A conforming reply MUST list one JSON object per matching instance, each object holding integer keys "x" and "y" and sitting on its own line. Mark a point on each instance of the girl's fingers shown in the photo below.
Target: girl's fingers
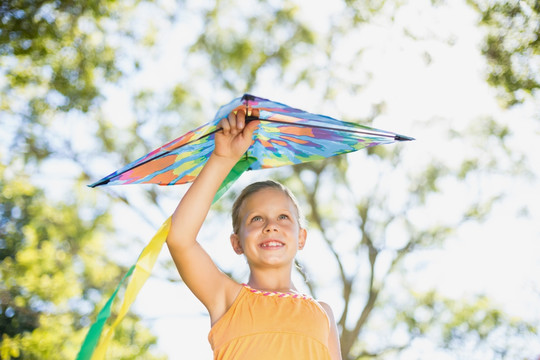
{"x": 255, "y": 112}
{"x": 240, "y": 119}
{"x": 232, "y": 121}
{"x": 235, "y": 121}
{"x": 224, "y": 124}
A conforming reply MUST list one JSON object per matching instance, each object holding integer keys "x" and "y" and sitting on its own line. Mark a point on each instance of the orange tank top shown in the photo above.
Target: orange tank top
{"x": 269, "y": 326}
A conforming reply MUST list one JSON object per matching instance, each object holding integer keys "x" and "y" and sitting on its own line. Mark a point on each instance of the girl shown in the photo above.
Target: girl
{"x": 265, "y": 318}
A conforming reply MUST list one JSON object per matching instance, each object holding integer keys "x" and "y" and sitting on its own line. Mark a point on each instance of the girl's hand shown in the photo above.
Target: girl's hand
{"x": 236, "y": 137}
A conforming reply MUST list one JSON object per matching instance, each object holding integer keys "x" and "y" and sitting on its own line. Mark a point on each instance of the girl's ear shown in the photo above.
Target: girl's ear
{"x": 302, "y": 237}
{"x": 237, "y": 246}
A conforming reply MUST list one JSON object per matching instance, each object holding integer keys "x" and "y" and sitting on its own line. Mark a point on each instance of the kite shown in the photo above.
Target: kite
{"x": 285, "y": 136}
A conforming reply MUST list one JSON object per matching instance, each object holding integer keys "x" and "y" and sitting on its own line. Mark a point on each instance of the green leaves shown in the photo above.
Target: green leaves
{"x": 237, "y": 59}
{"x": 50, "y": 262}
{"x": 464, "y": 324}
{"x": 512, "y": 47}
{"x": 60, "y": 61}
{"x": 59, "y": 45}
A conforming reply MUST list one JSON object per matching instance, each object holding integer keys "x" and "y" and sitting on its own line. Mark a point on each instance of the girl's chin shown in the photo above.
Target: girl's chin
{"x": 273, "y": 260}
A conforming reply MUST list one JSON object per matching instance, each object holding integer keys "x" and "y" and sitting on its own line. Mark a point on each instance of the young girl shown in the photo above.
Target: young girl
{"x": 265, "y": 318}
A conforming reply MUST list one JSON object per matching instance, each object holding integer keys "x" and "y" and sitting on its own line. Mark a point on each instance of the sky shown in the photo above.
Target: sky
{"x": 500, "y": 257}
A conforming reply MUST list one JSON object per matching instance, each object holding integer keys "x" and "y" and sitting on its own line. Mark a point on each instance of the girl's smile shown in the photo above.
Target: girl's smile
{"x": 271, "y": 244}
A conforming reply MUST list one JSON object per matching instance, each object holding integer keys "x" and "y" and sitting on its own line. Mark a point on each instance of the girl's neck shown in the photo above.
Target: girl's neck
{"x": 271, "y": 283}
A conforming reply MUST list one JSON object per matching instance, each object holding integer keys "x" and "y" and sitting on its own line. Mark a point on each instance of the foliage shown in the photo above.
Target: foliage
{"x": 63, "y": 42}
{"x": 512, "y": 46}
{"x": 378, "y": 237}
{"x": 52, "y": 266}
{"x": 469, "y": 327}
{"x": 55, "y": 58}
{"x": 61, "y": 61}
{"x": 236, "y": 59}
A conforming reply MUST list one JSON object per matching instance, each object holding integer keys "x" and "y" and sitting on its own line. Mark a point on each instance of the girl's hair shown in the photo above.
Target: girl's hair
{"x": 258, "y": 186}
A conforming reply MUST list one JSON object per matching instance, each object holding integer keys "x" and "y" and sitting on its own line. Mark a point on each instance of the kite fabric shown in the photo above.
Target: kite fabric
{"x": 285, "y": 136}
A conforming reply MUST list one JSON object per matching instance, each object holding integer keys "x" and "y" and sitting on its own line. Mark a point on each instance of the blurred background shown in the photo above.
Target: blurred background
{"x": 425, "y": 249}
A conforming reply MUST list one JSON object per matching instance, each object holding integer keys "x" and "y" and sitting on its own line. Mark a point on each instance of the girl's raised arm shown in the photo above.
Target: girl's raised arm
{"x": 211, "y": 286}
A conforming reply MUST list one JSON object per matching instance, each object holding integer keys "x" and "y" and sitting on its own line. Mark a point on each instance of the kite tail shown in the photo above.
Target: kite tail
{"x": 92, "y": 337}
{"x": 142, "y": 271}
{"x": 235, "y": 173}
{"x": 139, "y": 273}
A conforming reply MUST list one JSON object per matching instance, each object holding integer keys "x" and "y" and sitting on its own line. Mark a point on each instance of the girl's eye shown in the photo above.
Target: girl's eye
{"x": 283, "y": 217}
{"x": 256, "y": 218}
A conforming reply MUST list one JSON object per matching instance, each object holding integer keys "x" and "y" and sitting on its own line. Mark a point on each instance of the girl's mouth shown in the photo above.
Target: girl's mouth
{"x": 272, "y": 244}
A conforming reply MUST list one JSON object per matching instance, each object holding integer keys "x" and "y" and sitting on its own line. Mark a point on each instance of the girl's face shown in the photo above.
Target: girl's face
{"x": 269, "y": 233}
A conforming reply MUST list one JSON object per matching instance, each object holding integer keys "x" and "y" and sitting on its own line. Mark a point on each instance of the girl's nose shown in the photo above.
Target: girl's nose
{"x": 270, "y": 226}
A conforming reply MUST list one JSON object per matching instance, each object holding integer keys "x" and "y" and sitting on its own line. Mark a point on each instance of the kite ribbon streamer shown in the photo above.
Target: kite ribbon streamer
{"x": 235, "y": 173}
{"x": 94, "y": 333}
{"x": 141, "y": 271}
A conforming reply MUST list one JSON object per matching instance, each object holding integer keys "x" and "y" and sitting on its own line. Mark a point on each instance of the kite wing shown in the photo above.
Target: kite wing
{"x": 285, "y": 136}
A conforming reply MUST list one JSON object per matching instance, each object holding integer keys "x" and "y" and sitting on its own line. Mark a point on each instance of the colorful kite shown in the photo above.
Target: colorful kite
{"x": 285, "y": 136}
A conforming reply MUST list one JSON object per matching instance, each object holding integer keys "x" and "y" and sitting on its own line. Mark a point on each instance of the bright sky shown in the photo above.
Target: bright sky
{"x": 499, "y": 257}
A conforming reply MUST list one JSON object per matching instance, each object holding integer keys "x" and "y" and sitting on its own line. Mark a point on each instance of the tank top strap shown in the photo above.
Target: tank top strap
{"x": 277, "y": 293}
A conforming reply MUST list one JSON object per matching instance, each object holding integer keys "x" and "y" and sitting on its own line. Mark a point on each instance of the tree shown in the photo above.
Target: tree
{"x": 52, "y": 266}
{"x": 371, "y": 258}
{"x": 55, "y": 59}
{"x": 512, "y": 47}
{"x": 272, "y": 49}
{"x": 380, "y": 304}
{"x": 369, "y": 261}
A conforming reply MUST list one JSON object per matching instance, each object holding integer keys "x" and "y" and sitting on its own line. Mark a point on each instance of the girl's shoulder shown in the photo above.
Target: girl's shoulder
{"x": 231, "y": 291}
{"x": 328, "y": 310}
{"x": 333, "y": 340}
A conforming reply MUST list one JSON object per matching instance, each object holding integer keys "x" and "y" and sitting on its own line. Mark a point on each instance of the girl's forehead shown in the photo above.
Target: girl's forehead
{"x": 266, "y": 198}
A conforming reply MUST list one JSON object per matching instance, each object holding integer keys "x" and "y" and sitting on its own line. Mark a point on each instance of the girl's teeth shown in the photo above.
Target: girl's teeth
{"x": 274, "y": 243}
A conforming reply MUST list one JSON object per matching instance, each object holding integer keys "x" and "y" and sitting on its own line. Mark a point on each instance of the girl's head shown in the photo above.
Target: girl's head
{"x": 258, "y": 186}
